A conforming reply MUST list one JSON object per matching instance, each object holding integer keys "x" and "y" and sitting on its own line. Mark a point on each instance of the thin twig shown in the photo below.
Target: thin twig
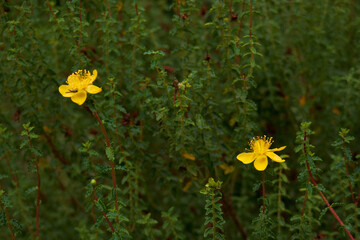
{"x": 228, "y": 205}
{"x": 8, "y": 220}
{"x": 113, "y": 173}
{"x": 322, "y": 195}
{"x": 304, "y": 202}
{"x": 56, "y": 153}
{"x": 104, "y": 214}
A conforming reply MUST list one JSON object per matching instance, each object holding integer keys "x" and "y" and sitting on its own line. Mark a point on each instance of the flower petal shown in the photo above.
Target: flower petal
{"x": 261, "y": 163}
{"x": 274, "y": 157}
{"x": 94, "y": 76}
{"x": 93, "y": 89}
{"x": 188, "y": 156}
{"x": 246, "y": 158}
{"x": 79, "y": 98}
{"x": 277, "y": 149}
{"x": 73, "y": 78}
{"x": 65, "y": 91}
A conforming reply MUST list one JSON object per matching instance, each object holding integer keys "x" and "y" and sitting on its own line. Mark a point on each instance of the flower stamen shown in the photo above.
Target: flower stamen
{"x": 260, "y": 151}
{"x": 79, "y": 84}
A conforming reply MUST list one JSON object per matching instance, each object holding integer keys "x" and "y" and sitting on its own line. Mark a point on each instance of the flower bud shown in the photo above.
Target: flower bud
{"x": 93, "y": 182}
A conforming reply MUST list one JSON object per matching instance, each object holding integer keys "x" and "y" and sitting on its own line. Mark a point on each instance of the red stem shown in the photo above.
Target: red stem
{"x": 113, "y": 174}
{"x": 228, "y": 205}
{"x": 103, "y": 130}
{"x": 177, "y": 9}
{"x": 251, "y": 15}
{"x": 322, "y": 195}
{"x": 52, "y": 12}
{"x": 358, "y": 198}
{"x": 109, "y": 223}
{"x": 241, "y": 18}
{"x": 8, "y": 220}
{"x": 14, "y": 176}
{"x": 137, "y": 13}
{"x": 55, "y": 151}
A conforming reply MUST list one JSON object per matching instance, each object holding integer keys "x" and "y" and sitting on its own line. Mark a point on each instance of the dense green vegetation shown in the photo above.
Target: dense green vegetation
{"x": 185, "y": 85}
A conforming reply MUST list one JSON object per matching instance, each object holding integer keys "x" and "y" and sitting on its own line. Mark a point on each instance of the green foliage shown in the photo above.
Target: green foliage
{"x": 214, "y": 220}
{"x": 263, "y": 225}
{"x": 148, "y": 229}
{"x": 185, "y": 85}
{"x": 172, "y": 225}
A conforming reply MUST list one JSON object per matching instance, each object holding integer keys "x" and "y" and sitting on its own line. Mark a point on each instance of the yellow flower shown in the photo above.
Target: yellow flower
{"x": 302, "y": 100}
{"x": 336, "y": 111}
{"x": 260, "y": 151}
{"x": 188, "y": 156}
{"x": 227, "y": 169}
{"x": 187, "y": 186}
{"x": 79, "y": 84}
{"x": 182, "y": 2}
{"x": 119, "y": 6}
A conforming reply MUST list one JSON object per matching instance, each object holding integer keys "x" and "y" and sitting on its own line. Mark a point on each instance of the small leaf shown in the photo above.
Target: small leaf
{"x": 101, "y": 205}
{"x": 110, "y": 154}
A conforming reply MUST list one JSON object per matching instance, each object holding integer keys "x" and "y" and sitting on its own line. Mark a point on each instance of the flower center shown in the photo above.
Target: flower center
{"x": 79, "y": 80}
{"x": 260, "y": 145}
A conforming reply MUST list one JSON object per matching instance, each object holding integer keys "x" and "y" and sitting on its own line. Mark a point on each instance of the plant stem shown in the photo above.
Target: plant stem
{"x": 113, "y": 174}
{"x": 263, "y": 190}
{"x": 304, "y": 202}
{"x": 53, "y": 149}
{"x": 104, "y": 214}
{"x": 213, "y": 217}
{"x": 228, "y": 205}
{"x": 8, "y": 221}
{"x": 55, "y": 19}
{"x": 322, "y": 195}
{"x": 358, "y": 197}
{"x": 13, "y": 175}
{"x": 241, "y": 18}
{"x": 3, "y": 208}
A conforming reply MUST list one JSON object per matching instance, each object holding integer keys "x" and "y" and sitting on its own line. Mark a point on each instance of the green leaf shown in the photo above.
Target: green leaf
{"x": 33, "y": 135}
{"x": 110, "y": 154}
{"x": 101, "y": 205}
